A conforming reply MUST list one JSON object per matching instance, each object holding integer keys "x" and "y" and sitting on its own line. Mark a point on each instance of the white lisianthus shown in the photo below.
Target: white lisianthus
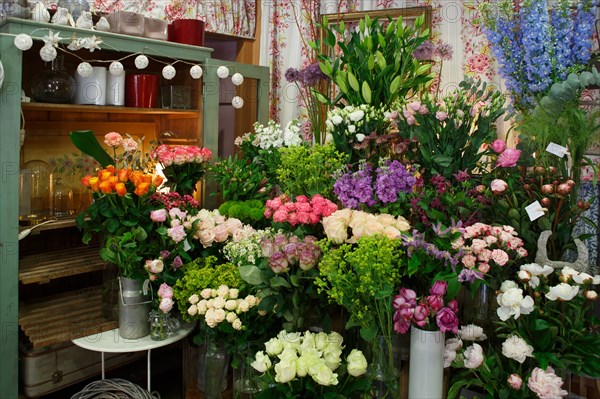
{"x": 285, "y": 371}
{"x": 516, "y": 348}
{"x": 261, "y": 362}
{"x": 273, "y": 347}
{"x": 357, "y": 363}
{"x": 337, "y": 120}
{"x": 472, "y": 332}
{"x": 356, "y": 115}
{"x": 360, "y": 137}
{"x": 512, "y": 303}
{"x": 563, "y": 292}
{"x": 352, "y": 129}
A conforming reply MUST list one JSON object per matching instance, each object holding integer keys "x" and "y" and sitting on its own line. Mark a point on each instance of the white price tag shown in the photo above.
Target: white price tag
{"x": 534, "y": 210}
{"x": 186, "y": 245}
{"x": 557, "y": 150}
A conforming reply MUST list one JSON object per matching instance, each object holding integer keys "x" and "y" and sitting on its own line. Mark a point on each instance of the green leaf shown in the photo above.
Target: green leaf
{"x": 88, "y": 144}
{"x": 395, "y": 85}
{"x": 544, "y": 223}
{"x": 368, "y": 333}
{"x": 326, "y": 67}
{"x": 279, "y": 281}
{"x": 353, "y": 82}
{"x": 250, "y": 274}
{"x": 366, "y": 92}
{"x": 320, "y": 97}
{"x": 340, "y": 80}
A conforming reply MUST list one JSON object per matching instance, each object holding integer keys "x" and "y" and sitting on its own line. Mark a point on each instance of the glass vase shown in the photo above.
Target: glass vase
{"x": 54, "y": 84}
{"x": 385, "y": 366}
{"x": 159, "y": 325}
{"x": 213, "y": 367}
{"x": 245, "y": 377}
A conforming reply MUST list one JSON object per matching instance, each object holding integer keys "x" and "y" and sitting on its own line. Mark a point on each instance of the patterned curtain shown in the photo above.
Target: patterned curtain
{"x": 456, "y": 23}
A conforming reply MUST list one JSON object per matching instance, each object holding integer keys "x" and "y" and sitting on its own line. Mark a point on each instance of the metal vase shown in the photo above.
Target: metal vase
{"x": 134, "y": 307}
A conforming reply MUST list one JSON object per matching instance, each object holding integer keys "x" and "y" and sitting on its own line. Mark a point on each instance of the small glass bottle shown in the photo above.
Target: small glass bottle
{"x": 62, "y": 203}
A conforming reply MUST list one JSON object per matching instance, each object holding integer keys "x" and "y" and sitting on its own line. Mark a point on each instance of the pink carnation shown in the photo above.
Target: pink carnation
{"x": 129, "y": 144}
{"x": 166, "y": 304}
{"x": 113, "y": 139}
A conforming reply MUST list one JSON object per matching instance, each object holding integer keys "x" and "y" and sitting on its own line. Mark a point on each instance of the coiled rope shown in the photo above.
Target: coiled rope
{"x": 114, "y": 389}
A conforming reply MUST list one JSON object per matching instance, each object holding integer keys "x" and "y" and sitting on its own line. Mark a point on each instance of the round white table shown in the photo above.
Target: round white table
{"x": 112, "y": 342}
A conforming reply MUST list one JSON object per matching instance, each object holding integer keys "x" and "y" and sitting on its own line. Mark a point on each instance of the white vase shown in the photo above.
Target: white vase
{"x": 426, "y": 372}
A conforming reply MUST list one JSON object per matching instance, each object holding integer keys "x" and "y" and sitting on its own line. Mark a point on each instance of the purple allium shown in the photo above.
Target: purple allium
{"x": 292, "y": 75}
{"x": 425, "y": 51}
{"x": 311, "y": 75}
{"x": 444, "y": 51}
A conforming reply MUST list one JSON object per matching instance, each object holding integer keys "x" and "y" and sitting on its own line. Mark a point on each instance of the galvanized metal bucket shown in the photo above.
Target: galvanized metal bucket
{"x": 135, "y": 300}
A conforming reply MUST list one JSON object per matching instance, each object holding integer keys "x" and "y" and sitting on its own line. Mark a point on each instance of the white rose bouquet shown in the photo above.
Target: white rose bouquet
{"x": 310, "y": 365}
{"x": 545, "y": 326}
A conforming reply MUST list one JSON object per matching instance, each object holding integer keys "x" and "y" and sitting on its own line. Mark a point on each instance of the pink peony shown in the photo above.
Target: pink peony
{"x": 221, "y": 233}
{"x": 401, "y": 326}
{"x": 473, "y": 356}
{"x": 546, "y": 384}
{"x": 166, "y": 304}
{"x": 303, "y": 217}
{"x": 446, "y": 320}
{"x": 508, "y": 158}
{"x": 500, "y": 257}
{"x": 406, "y": 297}
{"x": 159, "y": 215}
{"x": 439, "y": 288}
{"x": 314, "y": 218}
{"x": 164, "y": 291}
{"x": 515, "y": 381}
{"x": 302, "y": 199}
{"x": 289, "y": 206}
{"x": 498, "y": 186}
{"x": 498, "y": 146}
{"x": 113, "y": 139}
{"x": 177, "y": 233}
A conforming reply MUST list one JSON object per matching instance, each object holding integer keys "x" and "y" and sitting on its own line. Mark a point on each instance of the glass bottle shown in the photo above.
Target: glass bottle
{"x": 54, "y": 84}
{"x": 35, "y": 190}
{"x": 62, "y": 203}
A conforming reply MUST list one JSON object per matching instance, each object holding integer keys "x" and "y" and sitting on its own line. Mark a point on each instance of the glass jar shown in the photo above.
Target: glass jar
{"x": 162, "y": 326}
{"x": 54, "y": 84}
{"x": 62, "y": 198}
{"x": 35, "y": 197}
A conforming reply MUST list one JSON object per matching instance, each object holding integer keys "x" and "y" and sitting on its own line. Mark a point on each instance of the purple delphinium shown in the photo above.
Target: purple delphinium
{"x": 535, "y": 25}
{"x": 562, "y": 23}
{"x": 393, "y": 178}
{"x": 355, "y": 189}
{"x": 584, "y": 25}
{"x": 425, "y": 51}
{"x": 292, "y": 75}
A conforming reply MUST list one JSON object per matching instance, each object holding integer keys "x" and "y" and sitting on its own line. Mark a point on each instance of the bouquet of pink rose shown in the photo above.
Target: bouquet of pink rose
{"x": 183, "y": 166}
{"x": 489, "y": 253}
{"x": 410, "y": 309}
{"x": 304, "y": 211}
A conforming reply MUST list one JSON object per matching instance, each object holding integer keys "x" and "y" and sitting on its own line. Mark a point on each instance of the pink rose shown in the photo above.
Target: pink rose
{"x": 435, "y": 302}
{"x": 508, "y": 158}
{"x": 280, "y": 216}
{"x": 166, "y": 304}
{"x": 207, "y": 237}
{"x": 446, "y": 320}
{"x": 453, "y": 305}
{"x": 314, "y": 218}
{"x": 500, "y": 257}
{"x": 498, "y": 186}
{"x": 420, "y": 315}
{"x": 289, "y": 206}
{"x": 278, "y": 263}
{"x": 469, "y": 260}
{"x": 546, "y": 384}
{"x": 221, "y": 233}
{"x": 164, "y": 291}
{"x": 177, "y": 233}
{"x": 439, "y": 288}
{"x": 405, "y": 298}
{"x": 303, "y": 207}
{"x": 292, "y": 218}
{"x": 401, "y": 326}
{"x": 441, "y": 116}
{"x": 483, "y": 268}
{"x": 113, "y": 139}
{"x": 154, "y": 266}
{"x": 498, "y": 146}
{"x": 484, "y": 256}
{"x": 515, "y": 381}
{"x": 159, "y": 215}
{"x": 303, "y": 217}
{"x": 478, "y": 245}
{"x": 302, "y": 199}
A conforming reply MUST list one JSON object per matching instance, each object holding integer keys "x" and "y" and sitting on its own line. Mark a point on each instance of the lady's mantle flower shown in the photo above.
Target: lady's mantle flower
{"x": 512, "y": 303}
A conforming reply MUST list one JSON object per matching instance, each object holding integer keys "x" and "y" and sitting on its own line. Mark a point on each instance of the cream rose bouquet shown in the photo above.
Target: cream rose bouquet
{"x": 310, "y": 365}
{"x": 348, "y": 225}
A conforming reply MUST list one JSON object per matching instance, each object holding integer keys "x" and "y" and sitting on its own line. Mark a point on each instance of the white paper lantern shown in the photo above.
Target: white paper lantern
{"x": 23, "y": 41}
{"x": 237, "y": 79}
{"x": 141, "y": 61}
{"x": 1, "y": 74}
{"x": 48, "y": 53}
{"x": 116, "y": 68}
{"x": 85, "y": 69}
{"x": 196, "y": 71}
{"x": 222, "y": 72}
{"x": 237, "y": 102}
{"x": 169, "y": 72}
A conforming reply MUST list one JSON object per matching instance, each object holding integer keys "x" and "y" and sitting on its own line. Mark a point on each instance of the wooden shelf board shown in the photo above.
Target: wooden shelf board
{"x": 42, "y": 268}
{"x": 107, "y": 109}
{"x": 58, "y": 224}
{"x": 61, "y": 318}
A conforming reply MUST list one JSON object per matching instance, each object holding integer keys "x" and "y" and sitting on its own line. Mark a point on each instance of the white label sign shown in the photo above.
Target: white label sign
{"x": 557, "y": 150}
{"x": 534, "y": 210}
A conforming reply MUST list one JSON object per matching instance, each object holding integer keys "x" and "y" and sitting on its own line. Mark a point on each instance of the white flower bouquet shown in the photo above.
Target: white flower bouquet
{"x": 309, "y": 365}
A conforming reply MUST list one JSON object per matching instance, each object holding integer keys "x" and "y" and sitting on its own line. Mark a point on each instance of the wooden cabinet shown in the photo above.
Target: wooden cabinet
{"x": 49, "y": 282}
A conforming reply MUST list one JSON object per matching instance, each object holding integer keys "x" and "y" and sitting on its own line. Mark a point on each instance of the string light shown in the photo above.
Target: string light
{"x": 196, "y": 71}
{"x": 223, "y": 72}
{"x": 237, "y": 79}
{"x": 23, "y": 42}
{"x": 169, "y": 72}
{"x": 237, "y": 102}
{"x": 85, "y": 69}
{"x": 48, "y": 53}
{"x": 141, "y": 61}
{"x": 116, "y": 68}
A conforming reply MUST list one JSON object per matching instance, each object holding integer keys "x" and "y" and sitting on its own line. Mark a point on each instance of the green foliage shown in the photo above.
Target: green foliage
{"x": 309, "y": 170}
{"x": 85, "y": 141}
{"x": 376, "y": 64}
{"x": 123, "y": 250}
{"x": 249, "y": 212}
{"x": 240, "y": 179}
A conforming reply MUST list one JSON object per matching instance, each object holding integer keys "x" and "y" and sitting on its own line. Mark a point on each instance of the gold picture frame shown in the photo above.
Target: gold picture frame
{"x": 407, "y": 14}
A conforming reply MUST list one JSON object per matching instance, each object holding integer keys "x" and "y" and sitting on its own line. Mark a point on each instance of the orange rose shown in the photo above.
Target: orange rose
{"x": 142, "y": 188}
{"x": 120, "y": 189}
{"x": 85, "y": 180}
{"x": 106, "y": 187}
{"x": 124, "y": 175}
{"x": 157, "y": 180}
{"x": 112, "y": 169}
{"x": 135, "y": 177}
{"x": 94, "y": 183}
{"x": 147, "y": 179}
{"x": 105, "y": 175}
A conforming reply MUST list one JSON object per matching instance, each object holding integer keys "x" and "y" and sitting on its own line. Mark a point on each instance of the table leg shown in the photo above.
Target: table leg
{"x": 102, "y": 357}
{"x": 149, "y": 372}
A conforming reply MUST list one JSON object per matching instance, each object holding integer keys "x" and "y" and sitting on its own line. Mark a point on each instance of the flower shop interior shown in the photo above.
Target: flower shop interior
{"x": 299, "y": 199}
